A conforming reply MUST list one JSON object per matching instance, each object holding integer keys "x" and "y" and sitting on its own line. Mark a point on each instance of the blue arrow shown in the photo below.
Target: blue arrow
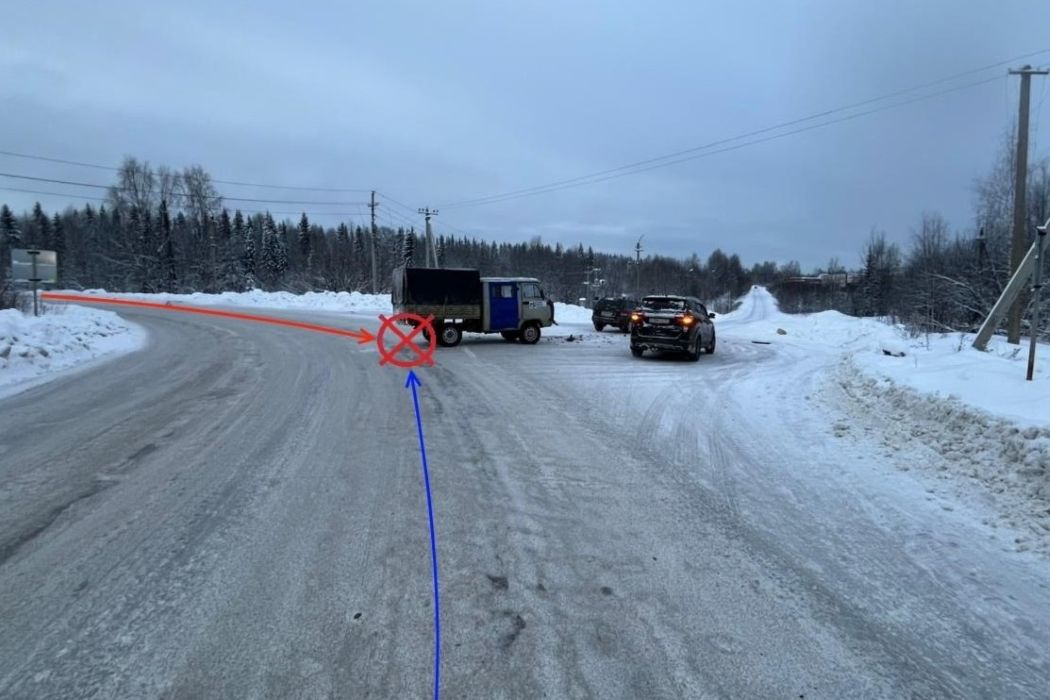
{"x": 413, "y": 382}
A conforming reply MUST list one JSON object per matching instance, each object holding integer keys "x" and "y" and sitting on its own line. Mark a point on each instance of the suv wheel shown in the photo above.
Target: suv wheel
{"x": 636, "y": 351}
{"x": 530, "y": 334}
{"x": 711, "y": 348}
{"x": 599, "y": 326}
{"x": 694, "y": 354}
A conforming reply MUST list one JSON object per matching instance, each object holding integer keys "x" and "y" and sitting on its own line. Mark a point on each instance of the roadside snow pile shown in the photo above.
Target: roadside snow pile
{"x": 943, "y": 365}
{"x": 1010, "y": 460}
{"x": 571, "y": 314}
{"x": 342, "y": 302}
{"x": 337, "y": 302}
{"x": 993, "y": 381}
{"x": 34, "y": 348}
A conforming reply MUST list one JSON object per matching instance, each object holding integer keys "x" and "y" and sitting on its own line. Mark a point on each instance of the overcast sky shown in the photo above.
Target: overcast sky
{"x": 439, "y": 102}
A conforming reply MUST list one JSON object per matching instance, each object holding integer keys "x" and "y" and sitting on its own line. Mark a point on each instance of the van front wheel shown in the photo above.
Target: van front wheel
{"x": 530, "y": 334}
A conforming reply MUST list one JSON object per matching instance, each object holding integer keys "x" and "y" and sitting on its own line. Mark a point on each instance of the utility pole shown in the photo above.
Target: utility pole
{"x": 372, "y": 241}
{"x": 1019, "y": 241}
{"x": 1037, "y": 285}
{"x": 638, "y": 267}
{"x": 431, "y": 250}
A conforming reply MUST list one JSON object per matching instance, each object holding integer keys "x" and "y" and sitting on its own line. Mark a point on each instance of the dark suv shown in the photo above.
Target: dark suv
{"x": 672, "y": 323}
{"x": 613, "y": 311}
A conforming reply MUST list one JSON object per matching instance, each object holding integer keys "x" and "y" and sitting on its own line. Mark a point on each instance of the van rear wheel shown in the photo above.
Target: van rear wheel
{"x": 530, "y": 334}
{"x": 449, "y": 335}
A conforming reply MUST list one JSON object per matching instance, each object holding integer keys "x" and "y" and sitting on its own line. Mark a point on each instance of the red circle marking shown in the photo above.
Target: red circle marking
{"x": 404, "y": 341}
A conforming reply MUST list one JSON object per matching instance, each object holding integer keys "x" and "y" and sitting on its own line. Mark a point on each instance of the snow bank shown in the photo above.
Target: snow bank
{"x": 943, "y": 365}
{"x": 571, "y": 314}
{"x": 943, "y": 408}
{"x": 1010, "y": 460}
{"x": 344, "y": 302}
{"x": 993, "y": 381}
{"x": 34, "y": 349}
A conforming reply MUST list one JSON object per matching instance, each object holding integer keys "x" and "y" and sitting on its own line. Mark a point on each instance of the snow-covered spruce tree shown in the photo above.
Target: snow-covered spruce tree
{"x": 305, "y": 252}
{"x": 228, "y": 243}
{"x": 248, "y": 255}
{"x": 58, "y": 244}
{"x": 270, "y": 253}
{"x": 408, "y": 249}
{"x": 399, "y": 246}
{"x": 9, "y": 233}
{"x": 41, "y": 235}
{"x": 171, "y": 274}
{"x": 282, "y": 252}
{"x": 361, "y": 269}
{"x": 10, "y": 237}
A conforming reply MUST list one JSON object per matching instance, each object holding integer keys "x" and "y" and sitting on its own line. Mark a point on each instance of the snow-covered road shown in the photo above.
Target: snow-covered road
{"x": 238, "y": 512}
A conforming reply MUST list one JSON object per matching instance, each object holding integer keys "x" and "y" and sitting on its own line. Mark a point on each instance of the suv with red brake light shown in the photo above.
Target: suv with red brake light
{"x": 672, "y": 324}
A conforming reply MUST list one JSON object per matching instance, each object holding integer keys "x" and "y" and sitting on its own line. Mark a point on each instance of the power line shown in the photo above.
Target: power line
{"x": 663, "y": 162}
{"x": 53, "y": 194}
{"x": 410, "y": 210}
{"x": 391, "y": 214}
{"x": 177, "y": 194}
{"x": 238, "y": 183}
{"x": 357, "y": 214}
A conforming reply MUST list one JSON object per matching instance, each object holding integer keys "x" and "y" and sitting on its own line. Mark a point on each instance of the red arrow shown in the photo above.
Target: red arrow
{"x": 361, "y": 336}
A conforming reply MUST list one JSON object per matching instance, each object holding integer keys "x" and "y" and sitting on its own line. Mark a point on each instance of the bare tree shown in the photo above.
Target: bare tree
{"x": 136, "y": 187}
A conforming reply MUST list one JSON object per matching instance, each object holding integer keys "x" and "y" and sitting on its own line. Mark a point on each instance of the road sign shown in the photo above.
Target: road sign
{"x": 34, "y": 266}
{"x": 30, "y": 265}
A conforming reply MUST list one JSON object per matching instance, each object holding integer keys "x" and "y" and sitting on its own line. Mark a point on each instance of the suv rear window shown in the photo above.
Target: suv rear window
{"x": 614, "y": 304}
{"x": 664, "y": 303}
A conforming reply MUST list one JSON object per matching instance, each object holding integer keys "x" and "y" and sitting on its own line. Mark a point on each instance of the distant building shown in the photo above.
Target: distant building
{"x": 833, "y": 280}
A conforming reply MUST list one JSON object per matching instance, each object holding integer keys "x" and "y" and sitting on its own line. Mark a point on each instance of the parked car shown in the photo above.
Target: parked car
{"x": 613, "y": 311}
{"x": 672, "y": 324}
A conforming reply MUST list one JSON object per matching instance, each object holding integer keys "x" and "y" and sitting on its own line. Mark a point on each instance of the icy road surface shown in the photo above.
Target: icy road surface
{"x": 237, "y": 511}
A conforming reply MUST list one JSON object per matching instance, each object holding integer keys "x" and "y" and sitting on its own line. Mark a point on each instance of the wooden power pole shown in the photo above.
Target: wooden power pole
{"x": 431, "y": 252}
{"x": 372, "y": 241}
{"x": 638, "y": 267}
{"x": 1019, "y": 242}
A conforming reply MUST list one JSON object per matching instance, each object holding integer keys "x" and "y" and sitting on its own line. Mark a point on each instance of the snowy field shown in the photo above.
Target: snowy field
{"x": 36, "y": 349}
